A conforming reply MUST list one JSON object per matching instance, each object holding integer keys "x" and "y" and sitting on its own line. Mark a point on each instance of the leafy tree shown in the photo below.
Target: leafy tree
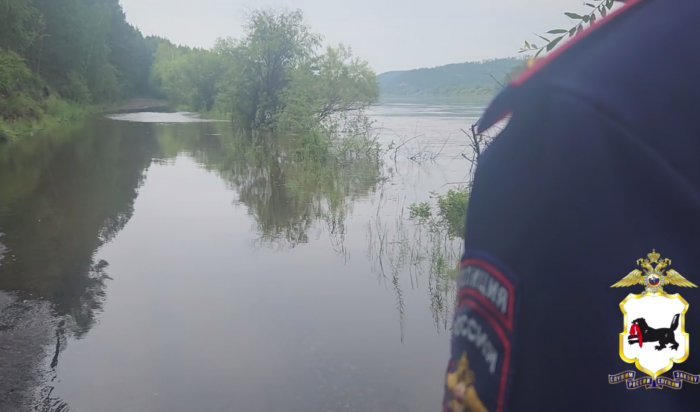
{"x": 263, "y": 62}
{"x": 15, "y": 78}
{"x": 187, "y": 77}
{"x": 130, "y": 55}
{"x": 328, "y": 88}
{"x": 20, "y": 24}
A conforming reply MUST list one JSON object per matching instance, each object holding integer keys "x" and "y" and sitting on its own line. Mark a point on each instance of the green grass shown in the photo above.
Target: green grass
{"x": 50, "y": 113}
{"x": 54, "y": 112}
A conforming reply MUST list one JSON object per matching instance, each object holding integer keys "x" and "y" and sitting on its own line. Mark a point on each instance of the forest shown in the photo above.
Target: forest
{"x": 60, "y": 59}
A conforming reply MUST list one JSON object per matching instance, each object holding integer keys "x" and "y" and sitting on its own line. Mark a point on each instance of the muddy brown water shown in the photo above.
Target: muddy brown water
{"x": 163, "y": 265}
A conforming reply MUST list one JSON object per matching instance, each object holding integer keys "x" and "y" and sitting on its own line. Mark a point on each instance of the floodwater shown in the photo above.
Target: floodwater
{"x": 185, "y": 269}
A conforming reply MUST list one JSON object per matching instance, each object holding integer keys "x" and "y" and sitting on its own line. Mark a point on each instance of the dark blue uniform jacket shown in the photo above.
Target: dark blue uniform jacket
{"x": 598, "y": 165}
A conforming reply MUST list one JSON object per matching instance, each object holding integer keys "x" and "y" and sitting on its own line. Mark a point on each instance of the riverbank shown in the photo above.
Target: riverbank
{"x": 59, "y": 111}
{"x": 29, "y": 337}
{"x": 55, "y": 111}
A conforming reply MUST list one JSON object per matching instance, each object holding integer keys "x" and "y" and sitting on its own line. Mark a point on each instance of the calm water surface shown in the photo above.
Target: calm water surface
{"x": 188, "y": 273}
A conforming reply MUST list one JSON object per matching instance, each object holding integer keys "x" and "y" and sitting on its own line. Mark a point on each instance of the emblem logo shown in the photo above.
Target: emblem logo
{"x": 461, "y": 383}
{"x": 654, "y": 336}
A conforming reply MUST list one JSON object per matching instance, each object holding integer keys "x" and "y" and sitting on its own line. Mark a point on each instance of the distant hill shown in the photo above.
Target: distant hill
{"x": 456, "y": 79}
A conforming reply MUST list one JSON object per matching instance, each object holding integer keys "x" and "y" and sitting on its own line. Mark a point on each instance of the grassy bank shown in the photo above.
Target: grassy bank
{"x": 51, "y": 113}
{"x": 28, "y": 103}
{"x": 55, "y": 112}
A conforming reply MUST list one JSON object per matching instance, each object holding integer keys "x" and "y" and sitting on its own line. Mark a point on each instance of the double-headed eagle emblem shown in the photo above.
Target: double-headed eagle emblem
{"x": 654, "y": 278}
{"x": 461, "y": 383}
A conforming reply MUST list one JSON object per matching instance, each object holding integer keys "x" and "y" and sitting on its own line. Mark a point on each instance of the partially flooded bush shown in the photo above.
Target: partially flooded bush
{"x": 420, "y": 211}
{"x": 452, "y": 210}
{"x": 314, "y": 148}
{"x": 447, "y": 215}
{"x": 425, "y": 250}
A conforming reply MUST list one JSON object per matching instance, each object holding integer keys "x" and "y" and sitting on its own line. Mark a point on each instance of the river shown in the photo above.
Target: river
{"x": 151, "y": 263}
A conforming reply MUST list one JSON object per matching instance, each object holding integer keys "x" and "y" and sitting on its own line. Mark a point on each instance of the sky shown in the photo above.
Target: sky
{"x": 389, "y": 34}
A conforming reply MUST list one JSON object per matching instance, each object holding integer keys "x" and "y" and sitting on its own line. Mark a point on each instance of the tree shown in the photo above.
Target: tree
{"x": 263, "y": 62}
{"x": 130, "y": 55}
{"x": 333, "y": 88}
{"x": 20, "y": 24}
{"x": 187, "y": 77}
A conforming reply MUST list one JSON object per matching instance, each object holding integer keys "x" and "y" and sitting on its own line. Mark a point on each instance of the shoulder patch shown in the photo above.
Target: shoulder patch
{"x": 481, "y": 363}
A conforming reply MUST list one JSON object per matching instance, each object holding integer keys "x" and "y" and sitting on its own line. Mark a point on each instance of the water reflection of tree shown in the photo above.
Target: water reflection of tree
{"x": 61, "y": 198}
{"x": 401, "y": 249}
{"x": 287, "y": 195}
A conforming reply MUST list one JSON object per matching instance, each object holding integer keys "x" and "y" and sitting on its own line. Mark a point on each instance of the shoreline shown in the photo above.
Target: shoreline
{"x": 139, "y": 105}
{"x": 69, "y": 112}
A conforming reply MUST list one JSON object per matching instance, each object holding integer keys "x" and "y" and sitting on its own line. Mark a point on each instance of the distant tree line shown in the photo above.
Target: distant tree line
{"x": 470, "y": 78}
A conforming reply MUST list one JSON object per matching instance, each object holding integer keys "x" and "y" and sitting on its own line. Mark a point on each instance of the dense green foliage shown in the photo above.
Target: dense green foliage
{"x": 80, "y": 51}
{"x": 276, "y": 77}
{"x": 186, "y": 77}
{"x": 453, "y": 79}
{"x": 448, "y": 214}
{"x": 59, "y": 56}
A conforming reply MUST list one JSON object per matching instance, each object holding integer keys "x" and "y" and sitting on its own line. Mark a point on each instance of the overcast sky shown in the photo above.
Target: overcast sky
{"x": 390, "y": 34}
